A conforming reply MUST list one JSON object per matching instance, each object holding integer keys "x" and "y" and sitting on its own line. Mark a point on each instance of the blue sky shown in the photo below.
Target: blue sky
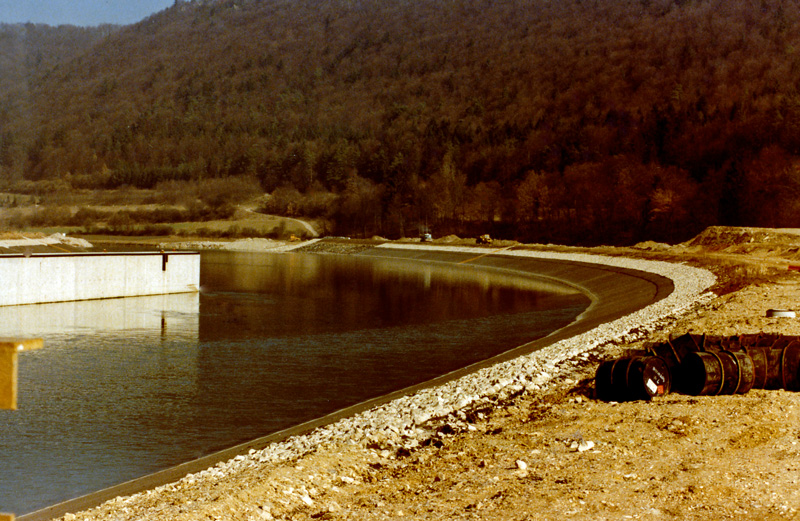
{"x": 79, "y": 12}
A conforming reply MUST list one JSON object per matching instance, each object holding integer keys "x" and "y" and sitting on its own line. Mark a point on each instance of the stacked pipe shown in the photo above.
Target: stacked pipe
{"x": 703, "y": 365}
{"x": 632, "y": 378}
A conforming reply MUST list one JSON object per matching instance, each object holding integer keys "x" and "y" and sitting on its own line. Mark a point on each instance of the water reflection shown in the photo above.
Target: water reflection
{"x": 125, "y": 387}
{"x": 290, "y": 295}
{"x": 159, "y": 314}
{"x": 112, "y": 376}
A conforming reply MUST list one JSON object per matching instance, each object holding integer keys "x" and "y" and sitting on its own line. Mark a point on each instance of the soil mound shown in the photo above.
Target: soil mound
{"x": 721, "y": 237}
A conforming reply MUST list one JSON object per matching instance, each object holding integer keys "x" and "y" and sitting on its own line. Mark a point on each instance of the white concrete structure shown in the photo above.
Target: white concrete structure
{"x": 42, "y": 278}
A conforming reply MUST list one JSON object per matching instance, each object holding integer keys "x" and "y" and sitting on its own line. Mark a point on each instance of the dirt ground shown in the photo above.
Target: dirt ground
{"x": 564, "y": 454}
{"x": 676, "y": 457}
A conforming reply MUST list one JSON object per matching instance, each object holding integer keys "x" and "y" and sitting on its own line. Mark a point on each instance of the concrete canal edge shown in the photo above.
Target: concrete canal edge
{"x": 615, "y": 290}
{"x": 41, "y": 278}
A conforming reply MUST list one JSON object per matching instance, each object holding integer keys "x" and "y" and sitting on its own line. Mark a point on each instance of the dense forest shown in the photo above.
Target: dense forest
{"x": 574, "y": 121}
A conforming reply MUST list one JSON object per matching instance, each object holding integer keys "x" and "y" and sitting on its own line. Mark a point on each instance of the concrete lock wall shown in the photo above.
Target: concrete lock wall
{"x": 43, "y": 278}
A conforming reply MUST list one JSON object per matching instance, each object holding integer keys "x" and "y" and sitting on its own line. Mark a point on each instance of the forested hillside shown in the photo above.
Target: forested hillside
{"x": 27, "y": 55}
{"x": 565, "y": 120}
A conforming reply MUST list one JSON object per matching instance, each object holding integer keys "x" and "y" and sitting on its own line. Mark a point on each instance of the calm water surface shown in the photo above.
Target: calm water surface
{"x": 126, "y": 387}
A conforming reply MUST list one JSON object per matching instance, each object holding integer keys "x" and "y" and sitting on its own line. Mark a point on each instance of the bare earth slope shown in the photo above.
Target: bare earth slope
{"x": 558, "y": 453}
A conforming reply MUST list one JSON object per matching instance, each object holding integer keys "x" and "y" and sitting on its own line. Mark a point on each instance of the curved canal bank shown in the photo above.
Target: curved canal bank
{"x": 626, "y": 295}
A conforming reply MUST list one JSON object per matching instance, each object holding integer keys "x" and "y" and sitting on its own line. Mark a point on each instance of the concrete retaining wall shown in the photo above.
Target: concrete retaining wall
{"x": 42, "y": 278}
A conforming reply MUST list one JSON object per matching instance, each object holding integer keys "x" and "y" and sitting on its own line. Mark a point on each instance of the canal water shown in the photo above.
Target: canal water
{"x": 127, "y": 387}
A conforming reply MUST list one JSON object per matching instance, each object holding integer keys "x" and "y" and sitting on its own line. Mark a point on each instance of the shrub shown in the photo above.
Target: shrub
{"x": 227, "y": 192}
{"x": 50, "y": 216}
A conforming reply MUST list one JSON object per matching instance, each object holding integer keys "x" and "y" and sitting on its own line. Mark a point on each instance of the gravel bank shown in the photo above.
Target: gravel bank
{"x": 55, "y": 243}
{"x": 243, "y": 245}
{"x": 405, "y": 424}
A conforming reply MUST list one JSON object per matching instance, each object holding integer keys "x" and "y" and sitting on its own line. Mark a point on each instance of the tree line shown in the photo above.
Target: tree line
{"x": 572, "y": 121}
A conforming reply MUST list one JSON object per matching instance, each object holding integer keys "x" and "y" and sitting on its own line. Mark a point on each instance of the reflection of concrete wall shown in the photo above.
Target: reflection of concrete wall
{"x": 67, "y": 277}
{"x": 176, "y": 315}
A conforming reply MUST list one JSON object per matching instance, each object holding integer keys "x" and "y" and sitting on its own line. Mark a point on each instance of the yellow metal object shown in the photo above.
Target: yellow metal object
{"x": 9, "y": 349}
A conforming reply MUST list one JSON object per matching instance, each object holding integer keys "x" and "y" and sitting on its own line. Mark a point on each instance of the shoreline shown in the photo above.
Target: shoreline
{"x": 405, "y": 424}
